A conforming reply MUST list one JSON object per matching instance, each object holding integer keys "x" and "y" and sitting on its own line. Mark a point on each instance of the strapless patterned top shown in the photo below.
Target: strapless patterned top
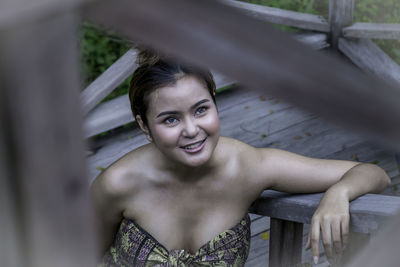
{"x": 134, "y": 246}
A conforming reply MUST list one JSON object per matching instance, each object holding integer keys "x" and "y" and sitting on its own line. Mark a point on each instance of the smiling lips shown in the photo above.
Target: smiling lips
{"x": 194, "y": 147}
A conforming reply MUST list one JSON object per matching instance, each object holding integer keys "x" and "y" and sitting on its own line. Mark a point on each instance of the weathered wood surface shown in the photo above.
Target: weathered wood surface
{"x": 44, "y": 145}
{"x": 283, "y": 17}
{"x": 369, "y": 57}
{"x": 116, "y": 112}
{"x": 108, "y": 80}
{"x": 340, "y": 16}
{"x": 367, "y": 212}
{"x": 372, "y": 30}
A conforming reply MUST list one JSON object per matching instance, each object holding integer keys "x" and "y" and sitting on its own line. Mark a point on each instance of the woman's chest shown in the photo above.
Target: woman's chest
{"x": 186, "y": 220}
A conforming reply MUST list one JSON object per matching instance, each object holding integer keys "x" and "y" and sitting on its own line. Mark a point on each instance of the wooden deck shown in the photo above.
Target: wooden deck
{"x": 263, "y": 122}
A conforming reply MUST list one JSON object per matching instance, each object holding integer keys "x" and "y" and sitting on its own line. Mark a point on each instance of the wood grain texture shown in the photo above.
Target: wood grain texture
{"x": 370, "y": 58}
{"x": 372, "y": 31}
{"x": 283, "y": 17}
{"x": 340, "y": 15}
{"x": 45, "y": 140}
{"x": 108, "y": 80}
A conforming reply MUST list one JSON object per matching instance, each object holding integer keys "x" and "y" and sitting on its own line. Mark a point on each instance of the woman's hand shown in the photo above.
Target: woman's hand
{"x": 331, "y": 219}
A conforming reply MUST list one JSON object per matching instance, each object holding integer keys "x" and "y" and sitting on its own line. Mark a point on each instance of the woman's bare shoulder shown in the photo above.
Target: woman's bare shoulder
{"x": 125, "y": 174}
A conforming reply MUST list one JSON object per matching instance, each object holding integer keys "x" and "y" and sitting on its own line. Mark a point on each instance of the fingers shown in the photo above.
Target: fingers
{"x": 327, "y": 239}
{"x": 345, "y": 231}
{"x": 314, "y": 240}
{"x": 336, "y": 236}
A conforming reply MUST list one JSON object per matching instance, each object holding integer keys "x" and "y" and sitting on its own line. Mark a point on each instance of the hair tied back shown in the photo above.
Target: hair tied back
{"x": 147, "y": 57}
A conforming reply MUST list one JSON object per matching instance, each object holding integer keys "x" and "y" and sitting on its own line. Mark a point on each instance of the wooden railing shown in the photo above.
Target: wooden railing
{"x": 45, "y": 218}
{"x": 288, "y": 213}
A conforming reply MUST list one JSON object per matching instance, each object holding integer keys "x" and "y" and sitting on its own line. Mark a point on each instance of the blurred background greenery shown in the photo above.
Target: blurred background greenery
{"x": 100, "y": 48}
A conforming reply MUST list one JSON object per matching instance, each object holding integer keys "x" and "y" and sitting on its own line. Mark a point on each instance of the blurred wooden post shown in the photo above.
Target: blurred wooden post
{"x": 42, "y": 163}
{"x": 9, "y": 244}
{"x": 285, "y": 245}
{"x": 340, "y": 16}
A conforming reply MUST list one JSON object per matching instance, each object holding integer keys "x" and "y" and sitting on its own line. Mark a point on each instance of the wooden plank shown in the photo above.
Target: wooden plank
{"x": 10, "y": 243}
{"x": 370, "y": 58}
{"x": 285, "y": 244}
{"x": 276, "y": 242}
{"x": 45, "y": 141}
{"x": 372, "y": 30}
{"x": 330, "y": 93}
{"x": 108, "y": 80}
{"x": 283, "y": 17}
{"x": 340, "y": 16}
{"x": 367, "y": 212}
{"x": 15, "y": 12}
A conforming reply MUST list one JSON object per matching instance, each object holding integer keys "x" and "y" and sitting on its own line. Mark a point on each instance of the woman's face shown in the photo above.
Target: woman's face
{"x": 183, "y": 121}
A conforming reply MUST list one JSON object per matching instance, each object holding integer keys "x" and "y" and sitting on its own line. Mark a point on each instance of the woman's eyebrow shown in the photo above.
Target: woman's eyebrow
{"x": 199, "y": 103}
{"x": 167, "y": 113}
{"x": 176, "y": 112}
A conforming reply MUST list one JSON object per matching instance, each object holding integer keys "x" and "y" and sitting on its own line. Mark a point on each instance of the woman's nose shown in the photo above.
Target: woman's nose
{"x": 191, "y": 129}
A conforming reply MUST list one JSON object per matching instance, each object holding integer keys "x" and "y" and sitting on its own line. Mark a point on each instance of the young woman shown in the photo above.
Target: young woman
{"x": 182, "y": 199}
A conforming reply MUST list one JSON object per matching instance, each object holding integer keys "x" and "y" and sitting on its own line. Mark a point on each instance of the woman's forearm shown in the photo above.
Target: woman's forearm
{"x": 361, "y": 179}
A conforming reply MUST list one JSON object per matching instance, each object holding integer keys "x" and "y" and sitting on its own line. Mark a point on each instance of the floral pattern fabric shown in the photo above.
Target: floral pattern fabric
{"x": 134, "y": 246}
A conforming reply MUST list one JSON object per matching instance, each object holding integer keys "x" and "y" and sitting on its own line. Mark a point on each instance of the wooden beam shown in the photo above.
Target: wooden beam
{"x": 283, "y": 17}
{"x": 372, "y": 31}
{"x": 286, "y": 241}
{"x": 108, "y": 80}
{"x": 340, "y": 16}
{"x": 368, "y": 212}
{"x": 370, "y": 58}
{"x": 40, "y": 67}
{"x": 20, "y": 12}
{"x": 11, "y": 237}
{"x": 260, "y": 58}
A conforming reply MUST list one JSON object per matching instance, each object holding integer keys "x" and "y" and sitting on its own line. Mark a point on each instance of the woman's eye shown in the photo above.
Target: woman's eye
{"x": 201, "y": 110}
{"x": 170, "y": 120}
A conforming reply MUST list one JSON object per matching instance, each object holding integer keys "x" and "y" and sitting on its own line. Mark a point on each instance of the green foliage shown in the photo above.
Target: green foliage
{"x": 100, "y": 49}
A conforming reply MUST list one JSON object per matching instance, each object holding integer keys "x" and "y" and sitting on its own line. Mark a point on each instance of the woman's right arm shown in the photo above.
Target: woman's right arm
{"x": 108, "y": 210}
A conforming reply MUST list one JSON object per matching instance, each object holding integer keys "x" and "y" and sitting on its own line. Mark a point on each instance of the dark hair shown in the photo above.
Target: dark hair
{"x": 155, "y": 72}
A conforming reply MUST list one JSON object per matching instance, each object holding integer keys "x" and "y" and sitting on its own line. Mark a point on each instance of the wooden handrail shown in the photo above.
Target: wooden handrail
{"x": 373, "y": 30}
{"x": 289, "y": 212}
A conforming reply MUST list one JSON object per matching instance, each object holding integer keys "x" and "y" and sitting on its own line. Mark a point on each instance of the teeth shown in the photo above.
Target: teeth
{"x": 193, "y": 146}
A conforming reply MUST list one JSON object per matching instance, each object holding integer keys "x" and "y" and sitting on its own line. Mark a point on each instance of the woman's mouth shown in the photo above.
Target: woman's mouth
{"x": 194, "y": 147}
